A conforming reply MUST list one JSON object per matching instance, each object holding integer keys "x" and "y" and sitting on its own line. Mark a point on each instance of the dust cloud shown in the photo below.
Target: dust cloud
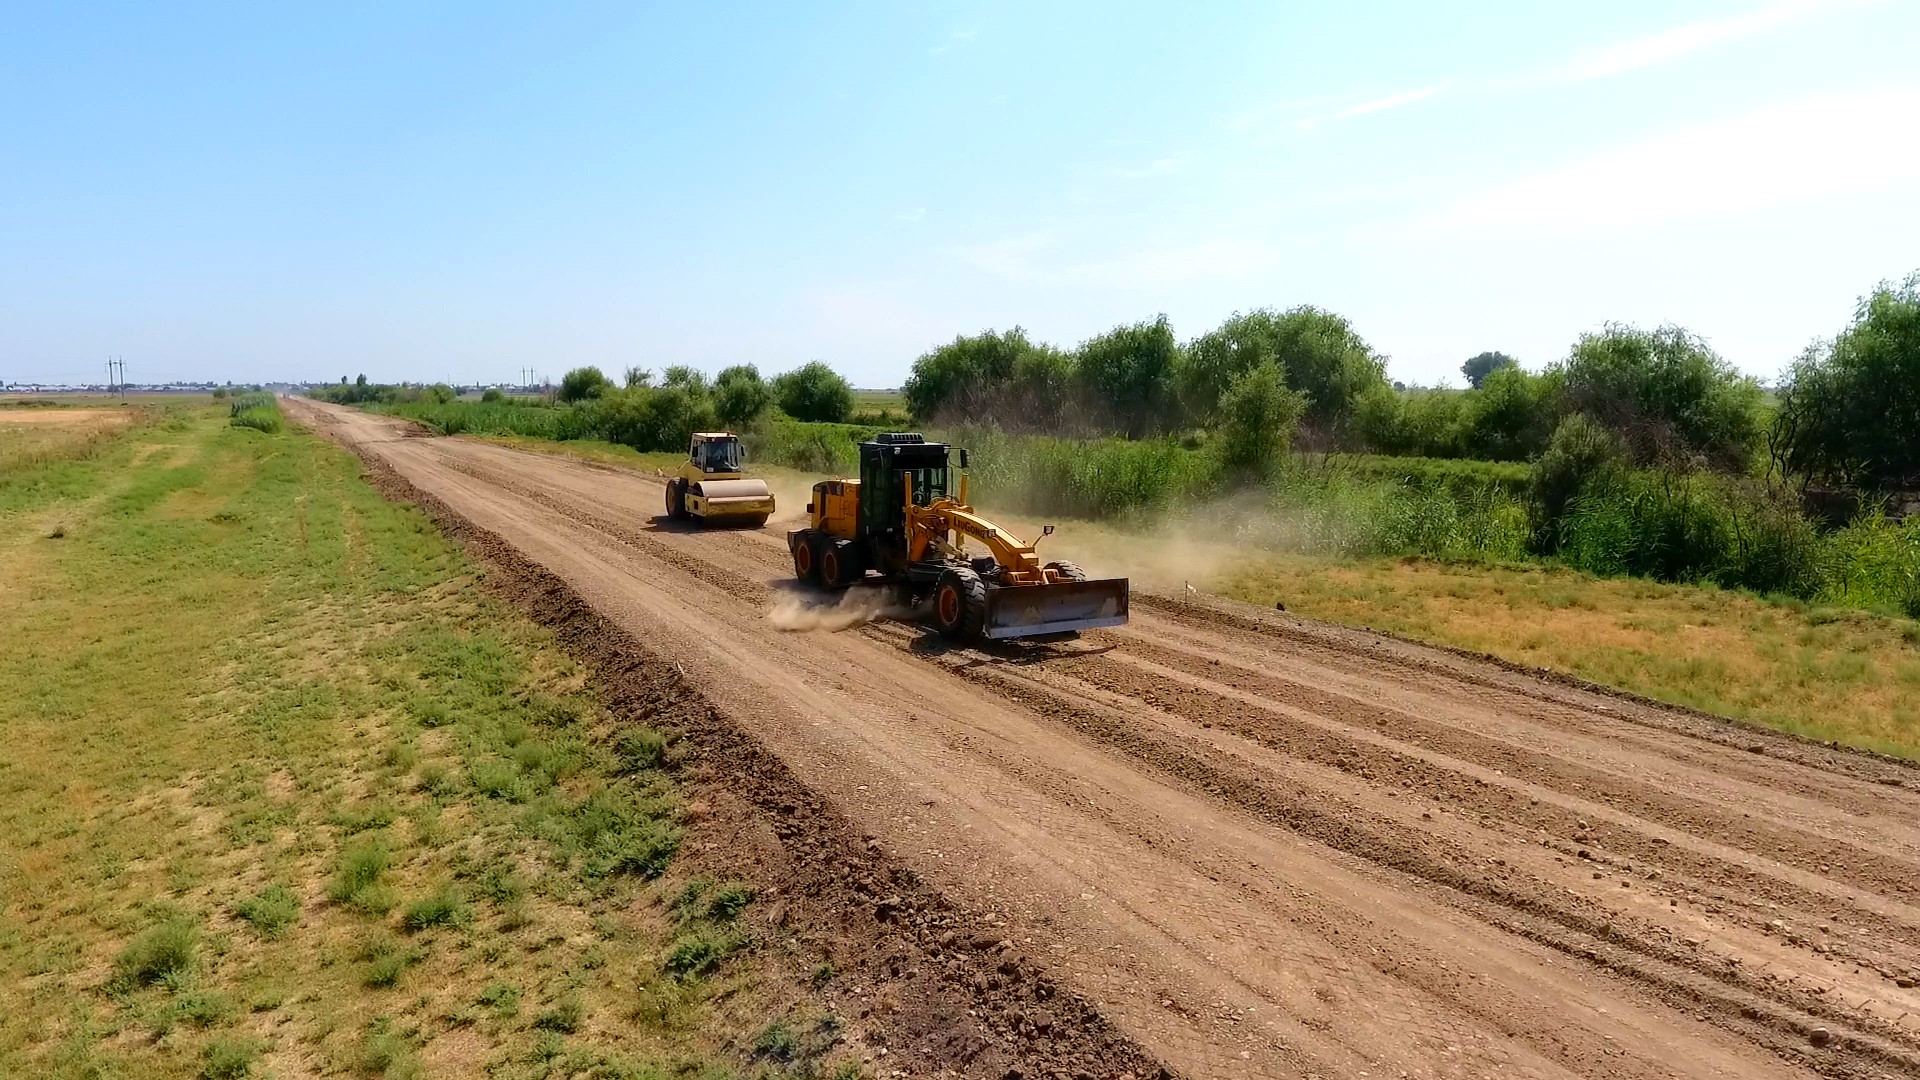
{"x": 802, "y": 612}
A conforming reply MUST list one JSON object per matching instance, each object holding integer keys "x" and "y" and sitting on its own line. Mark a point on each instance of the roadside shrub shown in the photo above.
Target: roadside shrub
{"x": 583, "y": 383}
{"x": 164, "y": 952}
{"x": 699, "y": 952}
{"x": 386, "y": 959}
{"x": 1666, "y": 526}
{"x": 1580, "y": 453}
{"x": 1258, "y": 415}
{"x": 356, "y": 881}
{"x": 822, "y": 448}
{"x": 1317, "y": 351}
{"x": 564, "y": 1016}
{"x": 641, "y": 749}
{"x": 255, "y": 410}
{"x": 271, "y": 912}
{"x": 229, "y": 1058}
{"x": 445, "y": 907}
{"x": 1773, "y": 548}
{"x": 492, "y": 396}
{"x": 1002, "y": 378}
{"x": 615, "y": 833}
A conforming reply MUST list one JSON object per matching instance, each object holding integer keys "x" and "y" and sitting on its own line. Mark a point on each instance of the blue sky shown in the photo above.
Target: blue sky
{"x": 431, "y": 191}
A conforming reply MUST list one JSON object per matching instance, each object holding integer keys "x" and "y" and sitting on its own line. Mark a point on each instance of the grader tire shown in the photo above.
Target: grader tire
{"x": 1068, "y": 571}
{"x": 806, "y": 558}
{"x": 960, "y": 605}
{"x": 839, "y": 564}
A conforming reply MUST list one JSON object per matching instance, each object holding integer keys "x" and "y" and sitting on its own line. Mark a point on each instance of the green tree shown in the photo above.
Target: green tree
{"x": 682, "y": 375}
{"x": 814, "y": 392}
{"x": 583, "y": 383}
{"x": 969, "y": 377}
{"x": 637, "y": 377}
{"x": 1850, "y": 408}
{"x": 1217, "y": 357}
{"x": 492, "y": 396}
{"x": 1318, "y": 352}
{"x": 1666, "y": 392}
{"x": 1129, "y": 373}
{"x": 1507, "y": 417}
{"x": 1257, "y": 417}
{"x": 1040, "y": 394}
{"x": 1477, "y": 368}
{"x": 740, "y": 395}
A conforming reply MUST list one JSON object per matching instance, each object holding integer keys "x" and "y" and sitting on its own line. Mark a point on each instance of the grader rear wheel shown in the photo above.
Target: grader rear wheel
{"x": 806, "y": 560}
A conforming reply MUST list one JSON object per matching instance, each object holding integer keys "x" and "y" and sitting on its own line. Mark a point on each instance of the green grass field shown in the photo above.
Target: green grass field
{"x": 287, "y": 794}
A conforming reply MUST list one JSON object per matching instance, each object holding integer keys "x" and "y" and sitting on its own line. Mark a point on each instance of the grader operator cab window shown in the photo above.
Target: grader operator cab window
{"x": 928, "y": 484}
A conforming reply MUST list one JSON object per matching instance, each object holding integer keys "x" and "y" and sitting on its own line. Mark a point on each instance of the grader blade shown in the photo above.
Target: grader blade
{"x": 1018, "y": 611}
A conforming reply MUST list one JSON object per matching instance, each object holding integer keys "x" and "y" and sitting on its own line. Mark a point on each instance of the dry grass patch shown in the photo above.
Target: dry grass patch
{"x": 1826, "y": 673}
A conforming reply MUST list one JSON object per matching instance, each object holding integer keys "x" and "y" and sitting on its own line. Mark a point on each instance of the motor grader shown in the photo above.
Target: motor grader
{"x": 901, "y": 525}
{"x": 709, "y": 487}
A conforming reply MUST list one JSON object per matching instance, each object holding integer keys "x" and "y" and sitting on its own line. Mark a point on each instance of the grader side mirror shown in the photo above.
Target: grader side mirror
{"x": 963, "y": 457}
{"x": 1046, "y": 530}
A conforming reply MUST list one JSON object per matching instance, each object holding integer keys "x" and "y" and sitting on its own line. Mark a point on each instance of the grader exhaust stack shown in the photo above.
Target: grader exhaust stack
{"x": 901, "y": 524}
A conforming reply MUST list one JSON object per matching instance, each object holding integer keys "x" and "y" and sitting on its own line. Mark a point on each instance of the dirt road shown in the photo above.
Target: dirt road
{"x": 1268, "y": 848}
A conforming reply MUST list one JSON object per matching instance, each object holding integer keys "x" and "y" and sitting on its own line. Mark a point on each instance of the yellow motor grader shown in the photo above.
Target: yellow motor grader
{"x": 900, "y": 526}
{"x": 711, "y": 488}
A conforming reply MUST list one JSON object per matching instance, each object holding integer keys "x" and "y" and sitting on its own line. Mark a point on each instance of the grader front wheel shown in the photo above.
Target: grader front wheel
{"x": 960, "y": 605}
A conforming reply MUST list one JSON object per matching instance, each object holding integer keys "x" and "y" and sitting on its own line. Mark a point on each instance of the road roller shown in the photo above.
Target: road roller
{"x": 711, "y": 488}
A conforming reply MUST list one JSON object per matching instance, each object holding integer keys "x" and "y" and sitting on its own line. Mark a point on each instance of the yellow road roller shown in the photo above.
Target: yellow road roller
{"x": 710, "y": 487}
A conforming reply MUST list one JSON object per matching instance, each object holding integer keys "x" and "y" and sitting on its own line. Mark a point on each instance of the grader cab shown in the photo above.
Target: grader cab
{"x": 902, "y": 524}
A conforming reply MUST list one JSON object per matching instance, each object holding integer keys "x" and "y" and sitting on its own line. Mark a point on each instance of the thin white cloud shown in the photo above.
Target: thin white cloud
{"x": 1793, "y": 152}
{"x": 911, "y": 215}
{"x": 1391, "y": 101}
{"x": 1686, "y": 39}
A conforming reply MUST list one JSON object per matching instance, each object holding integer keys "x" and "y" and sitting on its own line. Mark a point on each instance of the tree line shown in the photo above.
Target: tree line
{"x": 1847, "y": 412}
{"x": 640, "y": 411}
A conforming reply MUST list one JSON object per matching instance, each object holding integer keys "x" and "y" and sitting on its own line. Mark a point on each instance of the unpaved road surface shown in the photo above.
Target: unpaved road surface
{"x": 1268, "y": 848}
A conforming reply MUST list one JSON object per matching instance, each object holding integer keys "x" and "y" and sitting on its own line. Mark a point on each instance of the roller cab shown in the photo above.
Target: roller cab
{"x": 711, "y": 488}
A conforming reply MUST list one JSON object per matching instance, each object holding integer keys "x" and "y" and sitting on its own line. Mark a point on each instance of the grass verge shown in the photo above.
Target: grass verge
{"x": 247, "y": 698}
